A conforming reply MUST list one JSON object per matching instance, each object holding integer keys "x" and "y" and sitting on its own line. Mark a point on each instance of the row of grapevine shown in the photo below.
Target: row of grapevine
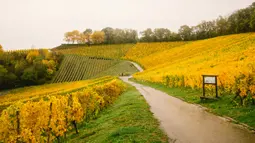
{"x": 115, "y": 51}
{"x": 76, "y": 67}
{"x": 37, "y": 92}
{"x": 230, "y": 57}
{"x": 142, "y": 50}
{"x": 24, "y": 51}
{"x": 50, "y": 118}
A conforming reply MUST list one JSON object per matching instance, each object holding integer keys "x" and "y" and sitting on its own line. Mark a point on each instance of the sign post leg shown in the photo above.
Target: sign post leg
{"x": 216, "y": 87}
{"x": 203, "y": 89}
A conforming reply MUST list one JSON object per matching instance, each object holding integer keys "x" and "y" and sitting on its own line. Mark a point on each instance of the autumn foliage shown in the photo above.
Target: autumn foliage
{"x": 229, "y": 57}
{"x": 51, "y": 117}
{"x": 19, "y": 68}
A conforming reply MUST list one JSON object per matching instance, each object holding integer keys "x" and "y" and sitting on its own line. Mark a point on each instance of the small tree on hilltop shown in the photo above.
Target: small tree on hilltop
{"x": 1, "y": 49}
{"x": 98, "y": 37}
{"x": 87, "y": 34}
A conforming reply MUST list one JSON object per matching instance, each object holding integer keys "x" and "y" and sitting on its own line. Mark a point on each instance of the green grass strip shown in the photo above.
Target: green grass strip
{"x": 128, "y": 120}
{"x": 225, "y": 106}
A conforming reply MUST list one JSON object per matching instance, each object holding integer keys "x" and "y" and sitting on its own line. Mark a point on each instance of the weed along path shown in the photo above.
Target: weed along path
{"x": 188, "y": 123}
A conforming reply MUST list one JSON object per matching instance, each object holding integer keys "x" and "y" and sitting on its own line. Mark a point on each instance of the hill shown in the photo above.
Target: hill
{"x": 115, "y": 51}
{"x": 76, "y": 67}
{"x": 66, "y": 111}
{"x": 7, "y": 98}
{"x": 121, "y": 68}
{"x": 140, "y": 51}
{"x": 229, "y": 57}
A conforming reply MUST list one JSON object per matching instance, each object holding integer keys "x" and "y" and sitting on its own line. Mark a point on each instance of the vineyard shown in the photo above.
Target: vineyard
{"x": 76, "y": 67}
{"x": 229, "y": 57}
{"x": 140, "y": 51}
{"x": 115, "y": 51}
{"x": 51, "y": 117}
{"x": 25, "y": 51}
{"x": 181, "y": 64}
{"x": 38, "y": 92}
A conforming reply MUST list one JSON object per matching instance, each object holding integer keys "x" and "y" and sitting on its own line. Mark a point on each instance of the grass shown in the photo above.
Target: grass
{"x": 128, "y": 120}
{"x": 123, "y": 67}
{"x": 222, "y": 107}
{"x": 76, "y": 67}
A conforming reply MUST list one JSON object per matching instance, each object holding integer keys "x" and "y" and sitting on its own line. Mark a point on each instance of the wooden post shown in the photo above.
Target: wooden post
{"x": 18, "y": 125}
{"x": 216, "y": 86}
{"x": 203, "y": 86}
{"x": 211, "y": 79}
{"x": 75, "y": 126}
{"x": 48, "y": 140}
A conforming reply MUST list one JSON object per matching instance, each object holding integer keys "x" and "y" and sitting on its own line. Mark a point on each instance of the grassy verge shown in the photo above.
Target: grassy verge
{"x": 222, "y": 107}
{"x": 127, "y": 120}
{"x": 123, "y": 67}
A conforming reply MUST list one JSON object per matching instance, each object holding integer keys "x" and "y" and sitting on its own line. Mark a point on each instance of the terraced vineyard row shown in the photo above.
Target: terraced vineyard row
{"x": 106, "y": 51}
{"x": 76, "y": 67}
{"x": 230, "y": 57}
{"x": 37, "y": 92}
{"x": 53, "y": 116}
{"x": 143, "y": 50}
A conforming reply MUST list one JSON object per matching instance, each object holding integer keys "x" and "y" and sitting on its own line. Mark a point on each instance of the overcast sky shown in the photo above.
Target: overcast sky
{"x": 42, "y": 23}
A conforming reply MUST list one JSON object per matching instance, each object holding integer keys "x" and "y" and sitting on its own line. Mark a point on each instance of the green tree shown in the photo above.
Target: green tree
{"x": 10, "y": 80}
{"x": 206, "y": 29}
{"x": 130, "y": 36}
{"x": 252, "y": 21}
{"x": 185, "y": 32}
{"x": 109, "y": 35}
{"x": 119, "y": 36}
{"x": 3, "y": 72}
{"x": 29, "y": 76}
{"x": 87, "y": 36}
{"x": 222, "y": 26}
{"x": 147, "y": 35}
{"x": 162, "y": 34}
{"x": 20, "y": 66}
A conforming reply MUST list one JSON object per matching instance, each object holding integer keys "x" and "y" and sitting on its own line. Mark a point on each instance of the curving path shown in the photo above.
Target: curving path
{"x": 188, "y": 123}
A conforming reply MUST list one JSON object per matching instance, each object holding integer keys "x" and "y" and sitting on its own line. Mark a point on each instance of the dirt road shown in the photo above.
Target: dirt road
{"x": 188, "y": 123}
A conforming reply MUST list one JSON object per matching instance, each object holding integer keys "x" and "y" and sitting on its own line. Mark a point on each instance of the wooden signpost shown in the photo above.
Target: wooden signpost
{"x": 210, "y": 79}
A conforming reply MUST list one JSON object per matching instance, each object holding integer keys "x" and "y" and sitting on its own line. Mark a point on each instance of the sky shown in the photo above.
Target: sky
{"x": 42, "y": 23}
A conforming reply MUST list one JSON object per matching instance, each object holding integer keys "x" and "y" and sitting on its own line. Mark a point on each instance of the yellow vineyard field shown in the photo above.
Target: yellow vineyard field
{"x": 140, "y": 51}
{"x": 50, "y": 118}
{"x": 115, "y": 51}
{"x": 35, "y": 92}
{"x": 232, "y": 58}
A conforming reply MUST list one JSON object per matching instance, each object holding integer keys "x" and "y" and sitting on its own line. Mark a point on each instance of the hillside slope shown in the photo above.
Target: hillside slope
{"x": 76, "y": 67}
{"x": 36, "y": 92}
{"x": 226, "y": 56}
{"x": 121, "y": 68}
{"x": 140, "y": 51}
{"x": 114, "y": 51}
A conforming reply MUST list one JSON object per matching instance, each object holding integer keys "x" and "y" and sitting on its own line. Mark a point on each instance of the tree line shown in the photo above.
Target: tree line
{"x": 30, "y": 67}
{"x": 107, "y": 35}
{"x": 240, "y": 21}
